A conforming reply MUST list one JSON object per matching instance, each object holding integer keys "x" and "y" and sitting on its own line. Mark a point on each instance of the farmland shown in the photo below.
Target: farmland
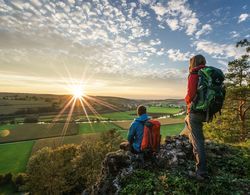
{"x": 85, "y": 128}
{"x": 14, "y": 156}
{"x": 32, "y": 131}
{"x": 18, "y": 140}
{"x": 163, "y": 110}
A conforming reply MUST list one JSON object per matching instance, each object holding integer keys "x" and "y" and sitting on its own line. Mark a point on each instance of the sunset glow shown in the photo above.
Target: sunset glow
{"x": 78, "y": 91}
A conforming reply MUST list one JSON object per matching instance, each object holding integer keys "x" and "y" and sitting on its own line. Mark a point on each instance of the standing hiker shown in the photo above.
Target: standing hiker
{"x": 195, "y": 119}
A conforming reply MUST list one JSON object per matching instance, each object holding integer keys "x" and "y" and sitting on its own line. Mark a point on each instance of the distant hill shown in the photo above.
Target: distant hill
{"x": 22, "y": 104}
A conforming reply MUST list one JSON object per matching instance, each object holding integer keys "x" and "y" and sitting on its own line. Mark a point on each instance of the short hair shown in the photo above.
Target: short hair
{"x": 141, "y": 110}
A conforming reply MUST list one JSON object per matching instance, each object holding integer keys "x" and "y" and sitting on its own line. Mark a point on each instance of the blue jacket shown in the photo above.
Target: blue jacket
{"x": 135, "y": 133}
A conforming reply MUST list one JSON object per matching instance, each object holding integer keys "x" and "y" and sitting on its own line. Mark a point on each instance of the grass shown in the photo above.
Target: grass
{"x": 163, "y": 110}
{"x": 166, "y": 130}
{"x": 124, "y": 134}
{"x": 32, "y": 131}
{"x": 127, "y": 115}
{"x": 96, "y": 127}
{"x": 14, "y": 156}
{"x": 12, "y": 106}
{"x": 7, "y": 126}
{"x": 163, "y": 121}
{"x": 172, "y": 129}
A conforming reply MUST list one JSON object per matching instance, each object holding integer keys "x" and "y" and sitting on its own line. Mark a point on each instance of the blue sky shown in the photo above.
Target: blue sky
{"x": 137, "y": 49}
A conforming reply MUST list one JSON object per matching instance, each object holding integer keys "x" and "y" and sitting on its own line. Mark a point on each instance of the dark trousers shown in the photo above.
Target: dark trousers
{"x": 194, "y": 130}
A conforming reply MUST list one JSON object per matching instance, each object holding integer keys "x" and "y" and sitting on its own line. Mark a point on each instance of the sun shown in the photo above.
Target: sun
{"x": 78, "y": 91}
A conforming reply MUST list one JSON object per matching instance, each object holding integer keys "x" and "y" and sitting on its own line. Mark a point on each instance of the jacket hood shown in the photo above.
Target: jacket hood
{"x": 143, "y": 117}
{"x": 198, "y": 68}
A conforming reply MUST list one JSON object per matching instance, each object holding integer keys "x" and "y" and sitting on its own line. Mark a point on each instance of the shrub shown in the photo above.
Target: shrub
{"x": 31, "y": 119}
{"x": 19, "y": 181}
{"x": 7, "y": 178}
{"x": 48, "y": 170}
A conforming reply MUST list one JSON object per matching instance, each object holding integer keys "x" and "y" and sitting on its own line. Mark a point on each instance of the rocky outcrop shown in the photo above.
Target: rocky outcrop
{"x": 117, "y": 165}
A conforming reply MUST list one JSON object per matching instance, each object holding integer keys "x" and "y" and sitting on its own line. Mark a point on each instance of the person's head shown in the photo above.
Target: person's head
{"x": 141, "y": 110}
{"x": 196, "y": 61}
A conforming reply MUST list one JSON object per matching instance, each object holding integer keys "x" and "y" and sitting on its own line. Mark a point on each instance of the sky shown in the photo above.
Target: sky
{"x": 133, "y": 49}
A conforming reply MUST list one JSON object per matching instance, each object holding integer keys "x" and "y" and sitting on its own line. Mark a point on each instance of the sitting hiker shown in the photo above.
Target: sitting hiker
{"x": 143, "y": 136}
{"x": 135, "y": 133}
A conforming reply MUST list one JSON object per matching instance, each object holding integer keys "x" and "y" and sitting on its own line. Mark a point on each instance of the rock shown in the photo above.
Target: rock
{"x": 117, "y": 165}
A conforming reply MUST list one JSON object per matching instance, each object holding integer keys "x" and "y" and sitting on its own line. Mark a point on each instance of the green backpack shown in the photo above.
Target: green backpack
{"x": 210, "y": 92}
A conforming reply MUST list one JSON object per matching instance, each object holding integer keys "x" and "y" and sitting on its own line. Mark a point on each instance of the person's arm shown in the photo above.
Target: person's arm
{"x": 131, "y": 133}
{"x": 192, "y": 88}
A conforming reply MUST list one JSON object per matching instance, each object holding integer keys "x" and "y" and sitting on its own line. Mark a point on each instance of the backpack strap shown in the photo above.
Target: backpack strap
{"x": 194, "y": 72}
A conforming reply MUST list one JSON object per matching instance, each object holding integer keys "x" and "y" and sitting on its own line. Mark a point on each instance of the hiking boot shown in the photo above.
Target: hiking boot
{"x": 198, "y": 177}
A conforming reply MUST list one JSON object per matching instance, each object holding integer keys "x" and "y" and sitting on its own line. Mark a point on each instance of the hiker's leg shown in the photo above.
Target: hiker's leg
{"x": 133, "y": 150}
{"x": 197, "y": 140}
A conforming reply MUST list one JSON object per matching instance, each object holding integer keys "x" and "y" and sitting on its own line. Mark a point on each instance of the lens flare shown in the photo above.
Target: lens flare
{"x": 78, "y": 91}
{"x": 79, "y": 99}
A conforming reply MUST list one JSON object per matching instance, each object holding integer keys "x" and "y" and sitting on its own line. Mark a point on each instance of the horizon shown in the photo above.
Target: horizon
{"x": 24, "y": 93}
{"x": 134, "y": 49}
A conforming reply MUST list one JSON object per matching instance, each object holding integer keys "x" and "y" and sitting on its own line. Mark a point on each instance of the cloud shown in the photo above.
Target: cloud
{"x": 159, "y": 9}
{"x": 173, "y": 24}
{"x": 224, "y": 63}
{"x": 242, "y": 17}
{"x": 145, "y": 1}
{"x": 177, "y": 15}
{"x": 113, "y": 32}
{"x": 177, "y": 55}
{"x": 204, "y": 30}
{"x": 234, "y": 34}
{"x": 219, "y": 51}
{"x": 142, "y": 13}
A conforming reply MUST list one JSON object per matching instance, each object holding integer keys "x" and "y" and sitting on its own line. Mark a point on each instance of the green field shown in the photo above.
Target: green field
{"x": 166, "y": 130}
{"x": 14, "y": 156}
{"x": 30, "y": 131}
{"x": 128, "y": 115}
{"x": 96, "y": 127}
{"x": 164, "y": 121}
{"x": 163, "y": 110}
{"x": 173, "y": 129}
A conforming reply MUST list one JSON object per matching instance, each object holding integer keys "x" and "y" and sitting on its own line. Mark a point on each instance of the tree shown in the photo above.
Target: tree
{"x": 48, "y": 170}
{"x": 70, "y": 168}
{"x": 234, "y": 123}
{"x": 239, "y": 86}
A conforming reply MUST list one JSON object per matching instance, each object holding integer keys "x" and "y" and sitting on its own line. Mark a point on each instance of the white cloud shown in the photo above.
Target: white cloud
{"x": 224, "y": 63}
{"x": 142, "y": 13}
{"x": 173, "y": 24}
{"x": 242, "y": 17}
{"x": 176, "y": 55}
{"x": 177, "y": 15}
{"x": 234, "y": 34}
{"x": 217, "y": 50}
{"x": 204, "y": 30}
{"x": 145, "y": 1}
{"x": 159, "y": 9}
{"x": 155, "y": 42}
{"x": 36, "y": 3}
